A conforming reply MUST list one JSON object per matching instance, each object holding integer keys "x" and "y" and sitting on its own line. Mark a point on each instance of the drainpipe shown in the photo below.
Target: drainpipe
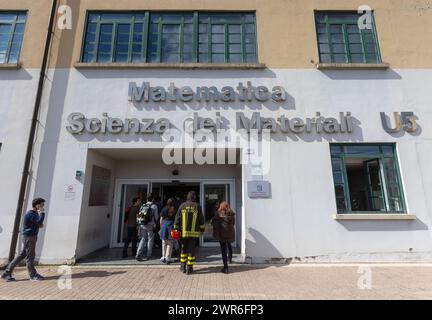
{"x": 29, "y": 151}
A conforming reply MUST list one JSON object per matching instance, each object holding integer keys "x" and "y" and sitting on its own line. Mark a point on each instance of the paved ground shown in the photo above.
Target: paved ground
{"x": 245, "y": 282}
{"x": 113, "y": 257}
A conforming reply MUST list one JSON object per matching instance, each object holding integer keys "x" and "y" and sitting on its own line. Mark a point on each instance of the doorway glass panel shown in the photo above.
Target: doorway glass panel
{"x": 214, "y": 194}
{"x": 128, "y": 192}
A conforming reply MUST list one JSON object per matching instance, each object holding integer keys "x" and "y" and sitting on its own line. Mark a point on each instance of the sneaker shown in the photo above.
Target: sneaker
{"x": 36, "y": 277}
{"x": 168, "y": 261}
{"x": 224, "y": 270}
{"x": 139, "y": 259}
{"x": 163, "y": 260}
{"x": 7, "y": 277}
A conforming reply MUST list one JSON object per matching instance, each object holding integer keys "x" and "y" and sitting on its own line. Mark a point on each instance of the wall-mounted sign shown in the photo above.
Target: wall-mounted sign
{"x": 70, "y": 192}
{"x": 258, "y": 189}
{"x": 100, "y": 187}
{"x": 79, "y": 124}
{"x": 242, "y": 92}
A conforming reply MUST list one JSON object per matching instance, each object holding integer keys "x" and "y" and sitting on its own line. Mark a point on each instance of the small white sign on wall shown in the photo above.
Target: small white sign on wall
{"x": 259, "y": 189}
{"x": 70, "y": 192}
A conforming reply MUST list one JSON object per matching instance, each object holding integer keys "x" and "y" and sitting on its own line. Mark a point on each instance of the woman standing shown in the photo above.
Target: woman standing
{"x": 167, "y": 222}
{"x": 223, "y": 230}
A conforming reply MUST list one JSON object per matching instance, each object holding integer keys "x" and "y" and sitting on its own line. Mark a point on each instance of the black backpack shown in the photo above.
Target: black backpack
{"x": 146, "y": 214}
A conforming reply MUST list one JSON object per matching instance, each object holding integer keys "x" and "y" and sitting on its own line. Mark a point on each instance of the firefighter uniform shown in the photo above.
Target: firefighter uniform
{"x": 190, "y": 221}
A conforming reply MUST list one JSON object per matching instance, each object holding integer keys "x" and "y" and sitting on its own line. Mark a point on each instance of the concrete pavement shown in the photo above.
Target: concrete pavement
{"x": 295, "y": 281}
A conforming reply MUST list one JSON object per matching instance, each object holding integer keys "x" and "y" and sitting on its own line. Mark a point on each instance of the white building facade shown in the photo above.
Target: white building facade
{"x": 343, "y": 173}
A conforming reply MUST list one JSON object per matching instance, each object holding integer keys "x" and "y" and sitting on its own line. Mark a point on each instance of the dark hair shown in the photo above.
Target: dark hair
{"x": 37, "y": 201}
{"x": 150, "y": 197}
{"x": 134, "y": 200}
{"x": 191, "y": 196}
{"x": 170, "y": 203}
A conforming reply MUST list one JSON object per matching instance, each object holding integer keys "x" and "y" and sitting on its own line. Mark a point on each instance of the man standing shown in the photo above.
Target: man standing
{"x": 131, "y": 220}
{"x": 190, "y": 220}
{"x": 147, "y": 223}
{"x": 33, "y": 220}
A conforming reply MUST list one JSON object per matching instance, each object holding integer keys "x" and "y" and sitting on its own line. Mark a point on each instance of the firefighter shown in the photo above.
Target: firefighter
{"x": 190, "y": 221}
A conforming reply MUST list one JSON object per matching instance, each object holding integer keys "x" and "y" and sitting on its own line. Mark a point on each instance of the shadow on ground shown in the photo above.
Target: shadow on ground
{"x": 86, "y": 274}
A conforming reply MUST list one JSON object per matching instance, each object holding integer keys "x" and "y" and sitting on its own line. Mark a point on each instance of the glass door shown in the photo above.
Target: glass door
{"x": 213, "y": 195}
{"x": 125, "y": 192}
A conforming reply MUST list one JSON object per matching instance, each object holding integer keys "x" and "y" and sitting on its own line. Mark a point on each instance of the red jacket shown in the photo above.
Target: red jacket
{"x": 127, "y": 211}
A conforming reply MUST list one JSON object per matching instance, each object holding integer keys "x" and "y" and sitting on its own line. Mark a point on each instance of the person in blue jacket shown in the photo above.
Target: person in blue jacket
{"x": 33, "y": 221}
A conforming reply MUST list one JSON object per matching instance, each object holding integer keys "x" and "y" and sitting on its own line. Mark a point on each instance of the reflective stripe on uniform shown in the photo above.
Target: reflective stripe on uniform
{"x": 190, "y": 234}
{"x": 184, "y": 221}
{"x": 194, "y": 219}
{"x": 191, "y": 261}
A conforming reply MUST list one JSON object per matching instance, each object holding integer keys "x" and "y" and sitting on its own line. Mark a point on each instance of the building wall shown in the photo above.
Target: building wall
{"x": 297, "y": 221}
{"x": 289, "y": 224}
{"x": 95, "y": 221}
{"x": 17, "y": 95}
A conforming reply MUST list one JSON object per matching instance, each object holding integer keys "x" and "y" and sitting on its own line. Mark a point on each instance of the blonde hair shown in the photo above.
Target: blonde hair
{"x": 225, "y": 210}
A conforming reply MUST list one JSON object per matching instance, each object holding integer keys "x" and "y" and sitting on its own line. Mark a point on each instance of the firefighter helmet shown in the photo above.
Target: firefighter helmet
{"x": 176, "y": 235}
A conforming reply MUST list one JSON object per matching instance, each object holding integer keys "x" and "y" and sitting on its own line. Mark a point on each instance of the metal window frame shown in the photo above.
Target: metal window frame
{"x": 13, "y": 23}
{"x": 344, "y": 24}
{"x": 394, "y": 157}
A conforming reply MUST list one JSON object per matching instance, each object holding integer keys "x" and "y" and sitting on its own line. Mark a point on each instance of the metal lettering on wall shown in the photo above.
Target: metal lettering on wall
{"x": 78, "y": 123}
{"x": 242, "y": 92}
{"x": 406, "y": 121}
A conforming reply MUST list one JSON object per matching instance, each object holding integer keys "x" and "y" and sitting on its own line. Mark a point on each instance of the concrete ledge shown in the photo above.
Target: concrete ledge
{"x": 13, "y": 66}
{"x": 375, "y": 216}
{"x": 352, "y": 66}
{"x": 217, "y": 66}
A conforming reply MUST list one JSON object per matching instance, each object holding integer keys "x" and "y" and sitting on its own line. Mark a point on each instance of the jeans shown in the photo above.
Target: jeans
{"x": 224, "y": 246}
{"x": 131, "y": 237}
{"x": 28, "y": 252}
{"x": 167, "y": 247}
{"x": 146, "y": 234}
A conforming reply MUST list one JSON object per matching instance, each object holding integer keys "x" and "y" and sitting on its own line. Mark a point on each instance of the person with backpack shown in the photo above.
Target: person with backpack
{"x": 167, "y": 221}
{"x": 223, "y": 231}
{"x": 190, "y": 222}
{"x": 131, "y": 214}
{"x": 146, "y": 221}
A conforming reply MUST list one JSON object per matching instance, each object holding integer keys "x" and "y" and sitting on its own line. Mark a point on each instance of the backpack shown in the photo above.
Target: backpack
{"x": 145, "y": 214}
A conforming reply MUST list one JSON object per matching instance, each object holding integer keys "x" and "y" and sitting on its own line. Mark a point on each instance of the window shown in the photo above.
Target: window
{"x": 11, "y": 36}
{"x": 227, "y": 38}
{"x": 340, "y": 39}
{"x": 187, "y": 37}
{"x": 366, "y": 178}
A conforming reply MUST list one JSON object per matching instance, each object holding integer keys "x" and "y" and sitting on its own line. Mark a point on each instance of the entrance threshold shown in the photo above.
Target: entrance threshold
{"x": 113, "y": 257}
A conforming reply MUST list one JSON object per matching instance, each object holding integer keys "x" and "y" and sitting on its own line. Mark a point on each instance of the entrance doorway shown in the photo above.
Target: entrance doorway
{"x": 175, "y": 190}
{"x": 125, "y": 191}
{"x": 209, "y": 193}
